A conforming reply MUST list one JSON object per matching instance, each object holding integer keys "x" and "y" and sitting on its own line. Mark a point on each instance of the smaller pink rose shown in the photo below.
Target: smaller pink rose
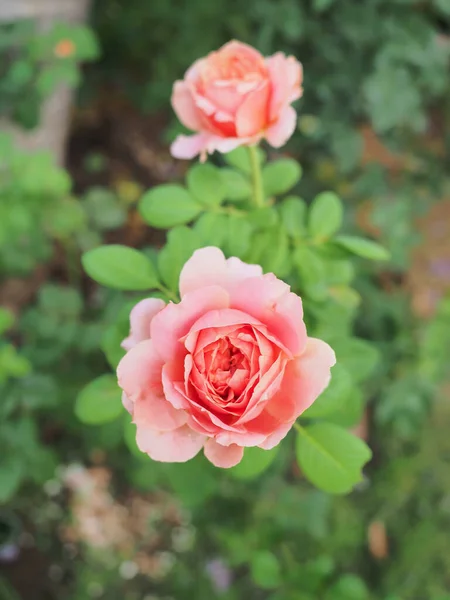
{"x": 236, "y": 97}
{"x": 230, "y": 366}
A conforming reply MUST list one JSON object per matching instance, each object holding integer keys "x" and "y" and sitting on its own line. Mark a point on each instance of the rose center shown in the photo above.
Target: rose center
{"x": 226, "y": 368}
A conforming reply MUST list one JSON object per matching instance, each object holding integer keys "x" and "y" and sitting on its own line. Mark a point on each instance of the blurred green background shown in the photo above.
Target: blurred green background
{"x": 82, "y": 515}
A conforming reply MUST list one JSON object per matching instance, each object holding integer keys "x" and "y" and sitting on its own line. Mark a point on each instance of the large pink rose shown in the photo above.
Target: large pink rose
{"x": 228, "y": 367}
{"x": 236, "y": 97}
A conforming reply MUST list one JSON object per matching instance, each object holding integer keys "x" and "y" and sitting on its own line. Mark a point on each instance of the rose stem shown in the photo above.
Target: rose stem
{"x": 258, "y": 194}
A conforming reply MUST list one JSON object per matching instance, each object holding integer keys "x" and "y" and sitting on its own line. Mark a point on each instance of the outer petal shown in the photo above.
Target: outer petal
{"x": 179, "y": 445}
{"x": 189, "y": 146}
{"x": 139, "y": 371}
{"x": 313, "y": 371}
{"x": 175, "y": 321}
{"x": 275, "y": 438}
{"x": 286, "y": 77}
{"x": 140, "y": 318}
{"x": 252, "y": 116}
{"x": 184, "y": 106}
{"x": 269, "y": 300}
{"x": 223, "y": 456}
{"x": 208, "y": 266}
{"x": 139, "y": 374}
{"x": 155, "y": 412}
{"x": 127, "y": 403}
{"x": 279, "y": 133}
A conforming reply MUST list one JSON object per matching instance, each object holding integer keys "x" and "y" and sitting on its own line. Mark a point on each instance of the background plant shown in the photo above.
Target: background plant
{"x": 279, "y": 538}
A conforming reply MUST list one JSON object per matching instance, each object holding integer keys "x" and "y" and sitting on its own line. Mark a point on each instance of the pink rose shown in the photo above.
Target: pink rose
{"x": 228, "y": 367}
{"x": 235, "y": 97}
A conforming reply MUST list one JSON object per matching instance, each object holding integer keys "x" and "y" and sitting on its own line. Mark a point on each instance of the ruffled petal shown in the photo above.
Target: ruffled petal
{"x": 178, "y": 445}
{"x": 208, "y": 266}
{"x": 223, "y": 456}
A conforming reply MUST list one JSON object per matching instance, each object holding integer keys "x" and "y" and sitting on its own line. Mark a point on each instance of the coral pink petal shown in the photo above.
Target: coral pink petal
{"x": 223, "y": 456}
{"x": 208, "y": 266}
{"x": 155, "y": 412}
{"x": 252, "y": 115}
{"x": 269, "y": 300}
{"x": 189, "y": 146}
{"x": 178, "y": 445}
{"x": 275, "y": 438}
{"x": 127, "y": 403}
{"x": 172, "y": 379}
{"x": 140, "y": 318}
{"x": 286, "y": 77}
{"x": 176, "y": 320}
{"x": 279, "y": 133}
{"x": 140, "y": 371}
{"x": 184, "y": 106}
{"x": 312, "y": 371}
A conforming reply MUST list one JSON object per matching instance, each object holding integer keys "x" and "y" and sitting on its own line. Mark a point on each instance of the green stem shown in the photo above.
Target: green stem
{"x": 171, "y": 295}
{"x": 258, "y": 193}
{"x": 298, "y": 427}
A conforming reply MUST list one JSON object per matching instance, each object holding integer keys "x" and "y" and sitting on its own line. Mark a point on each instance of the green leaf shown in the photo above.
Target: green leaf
{"x": 66, "y": 218}
{"x": 331, "y": 457}
{"x": 280, "y": 176}
{"x": 237, "y": 185}
{"x": 180, "y": 245}
{"x": 238, "y": 238}
{"x": 104, "y": 209}
{"x": 325, "y": 215}
{"x": 350, "y": 412}
{"x": 275, "y": 257}
{"x": 129, "y": 434}
{"x": 362, "y": 247}
{"x": 360, "y": 357}
{"x": 206, "y": 184}
{"x": 293, "y": 215}
{"x": 120, "y": 267}
{"x": 99, "y": 401}
{"x": 240, "y": 159}
{"x": 254, "y": 462}
{"x": 333, "y": 396}
{"x": 168, "y": 205}
{"x": 263, "y": 218}
{"x": 311, "y": 270}
{"x": 12, "y": 471}
{"x": 6, "y": 320}
{"x": 211, "y": 228}
{"x": 348, "y": 587}
{"x": 265, "y": 570}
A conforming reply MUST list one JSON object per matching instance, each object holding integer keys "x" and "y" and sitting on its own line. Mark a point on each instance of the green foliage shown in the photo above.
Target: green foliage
{"x": 99, "y": 402}
{"x": 33, "y": 64}
{"x": 330, "y": 457}
{"x": 280, "y": 176}
{"x": 168, "y": 205}
{"x": 120, "y": 267}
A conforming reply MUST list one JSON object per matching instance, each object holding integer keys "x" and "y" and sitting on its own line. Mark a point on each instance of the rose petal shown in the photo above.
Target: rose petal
{"x": 184, "y": 106}
{"x": 275, "y": 438}
{"x": 305, "y": 379}
{"x": 140, "y": 318}
{"x": 286, "y": 76}
{"x": 279, "y": 133}
{"x": 178, "y": 445}
{"x": 175, "y": 321}
{"x": 208, "y": 266}
{"x": 189, "y": 146}
{"x": 140, "y": 371}
{"x": 155, "y": 412}
{"x": 252, "y": 115}
{"x": 270, "y": 301}
{"x": 223, "y": 456}
{"x": 127, "y": 403}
